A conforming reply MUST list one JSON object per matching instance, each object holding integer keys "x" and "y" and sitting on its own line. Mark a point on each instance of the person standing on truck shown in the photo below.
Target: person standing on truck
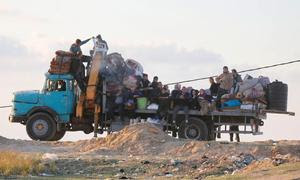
{"x": 77, "y": 67}
{"x": 236, "y": 79}
{"x": 75, "y": 48}
{"x": 226, "y": 83}
{"x": 213, "y": 87}
{"x": 194, "y": 104}
{"x": 100, "y": 45}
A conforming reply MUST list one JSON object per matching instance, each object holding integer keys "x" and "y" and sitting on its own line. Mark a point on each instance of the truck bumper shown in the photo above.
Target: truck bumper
{"x": 17, "y": 119}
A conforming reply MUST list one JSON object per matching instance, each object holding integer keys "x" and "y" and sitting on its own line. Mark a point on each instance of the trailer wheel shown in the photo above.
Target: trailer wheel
{"x": 41, "y": 126}
{"x": 195, "y": 129}
{"x": 58, "y": 135}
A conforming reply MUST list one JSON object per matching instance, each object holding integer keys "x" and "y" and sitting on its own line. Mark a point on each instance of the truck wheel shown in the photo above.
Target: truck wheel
{"x": 41, "y": 126}
{"x": 59, "y": 135}
{"x": 195, "y": 129}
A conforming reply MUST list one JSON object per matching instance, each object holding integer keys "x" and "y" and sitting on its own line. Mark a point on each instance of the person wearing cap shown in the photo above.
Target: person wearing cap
{"x": 226, "y": 82}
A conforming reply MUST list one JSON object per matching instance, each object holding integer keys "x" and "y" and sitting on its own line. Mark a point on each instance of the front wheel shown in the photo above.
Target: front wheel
{"x": 194, "y": 129}
{"x": 41, "y": 126}
{"x": 58, "y": 135}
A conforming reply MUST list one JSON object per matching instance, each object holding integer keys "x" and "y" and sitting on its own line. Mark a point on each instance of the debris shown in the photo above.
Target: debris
{"x": 145, "y": 162}
{"x": 168, "y": 174}
{"x": 175, "y": 162}
{"x": 50, "y": 156}
{"x": 248, "y": 158}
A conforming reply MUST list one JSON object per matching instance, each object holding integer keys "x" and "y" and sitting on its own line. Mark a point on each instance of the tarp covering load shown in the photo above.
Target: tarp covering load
{"x": 119, "y": 73}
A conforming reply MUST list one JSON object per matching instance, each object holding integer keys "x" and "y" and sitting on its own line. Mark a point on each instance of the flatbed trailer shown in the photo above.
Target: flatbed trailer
{"x": 205, "y": 127}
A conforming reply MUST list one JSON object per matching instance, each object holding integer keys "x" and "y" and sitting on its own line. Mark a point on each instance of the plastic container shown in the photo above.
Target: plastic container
{"x": 142, "y": 102}
{"x": 277, "y": 96}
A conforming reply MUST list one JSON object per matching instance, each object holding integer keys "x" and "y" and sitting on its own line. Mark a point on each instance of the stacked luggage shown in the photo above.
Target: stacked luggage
{"x": 61, "y": 63}
{"x": 257, "y": 93}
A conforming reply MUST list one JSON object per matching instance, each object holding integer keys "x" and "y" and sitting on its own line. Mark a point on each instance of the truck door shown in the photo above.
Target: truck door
{"x": 57, "y": 96}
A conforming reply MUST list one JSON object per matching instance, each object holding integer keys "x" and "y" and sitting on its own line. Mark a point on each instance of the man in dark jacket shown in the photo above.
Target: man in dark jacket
{"x": 75, "y": 48}
{"x": 180, "y": 99}
{"x": 213, "y": 87}
{"x": 77, "y": 67}
{"x": 145, "y": 81}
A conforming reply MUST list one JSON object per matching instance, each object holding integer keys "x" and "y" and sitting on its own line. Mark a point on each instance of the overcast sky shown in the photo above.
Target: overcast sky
{"x": 173, "y": 39}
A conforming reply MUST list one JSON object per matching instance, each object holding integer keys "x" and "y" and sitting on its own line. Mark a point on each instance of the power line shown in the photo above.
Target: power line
{"x": 1, "y": 107}
{"x": 248, "y": 70}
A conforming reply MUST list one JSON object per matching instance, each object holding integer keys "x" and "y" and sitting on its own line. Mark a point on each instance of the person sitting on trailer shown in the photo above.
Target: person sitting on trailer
{"x": 194, "y": 104}
{"x": 154, "y": 83}
{"x": 144, "y": 85}
{"x": 125, "y": 103}
{"x": 226, "y": 83}
{"x": 145, "y": 81}
{"x": 155, "y": 93}
{"x": 204, "y": 96}
{"x": 204, "y": 102}
{"x": 180, "y": 99}
{"x": 163, "y": 103}
{"x": 236, "y": 79}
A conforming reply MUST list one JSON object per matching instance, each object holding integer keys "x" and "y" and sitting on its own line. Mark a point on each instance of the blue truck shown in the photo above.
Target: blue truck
{"x": 61, "y": 106}
{"x": 49, "y": 113}
{"x": 45, "y": 112}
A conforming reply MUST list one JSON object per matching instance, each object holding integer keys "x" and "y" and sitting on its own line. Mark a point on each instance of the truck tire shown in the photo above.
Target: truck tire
{"x": 41, "y": 126}
{"x": 58, "y": 135}
{"x": 195, "y": 129}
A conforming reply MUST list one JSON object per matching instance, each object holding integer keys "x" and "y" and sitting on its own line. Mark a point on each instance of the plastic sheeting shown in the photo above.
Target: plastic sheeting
{"x": 119, "y": 73}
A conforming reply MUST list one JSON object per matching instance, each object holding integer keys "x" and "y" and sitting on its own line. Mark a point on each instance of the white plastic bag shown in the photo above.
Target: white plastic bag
{"x": 153, "y": 106}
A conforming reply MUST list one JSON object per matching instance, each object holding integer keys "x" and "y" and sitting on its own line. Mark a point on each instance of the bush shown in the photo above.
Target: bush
{"x": 17, "y": 163}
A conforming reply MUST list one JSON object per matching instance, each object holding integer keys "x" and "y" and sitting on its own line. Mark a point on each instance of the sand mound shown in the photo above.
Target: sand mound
{"x": 138, "y": 139}
{"x": 3, "y": 140}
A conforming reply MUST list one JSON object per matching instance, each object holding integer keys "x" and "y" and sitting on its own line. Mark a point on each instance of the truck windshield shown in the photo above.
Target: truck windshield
{"x": 55, "y": 85}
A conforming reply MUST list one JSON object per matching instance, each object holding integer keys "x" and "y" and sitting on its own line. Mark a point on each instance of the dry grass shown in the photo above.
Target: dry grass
{"x": 16, "y": 163}
{"x": 285, "y": 171}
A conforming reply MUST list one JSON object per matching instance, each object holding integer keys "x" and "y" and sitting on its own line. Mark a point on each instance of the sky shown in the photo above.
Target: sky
{"x": 173, "y": 39}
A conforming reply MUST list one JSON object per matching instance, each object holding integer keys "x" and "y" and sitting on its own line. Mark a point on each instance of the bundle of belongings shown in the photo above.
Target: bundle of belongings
{"x": 119, "y": 73}
{"x": 61, "y": 63}
{"x": 248, "y": 95}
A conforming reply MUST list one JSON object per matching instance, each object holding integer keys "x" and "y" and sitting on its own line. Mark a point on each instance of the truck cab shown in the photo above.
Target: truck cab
{"x": 43, "y": 111}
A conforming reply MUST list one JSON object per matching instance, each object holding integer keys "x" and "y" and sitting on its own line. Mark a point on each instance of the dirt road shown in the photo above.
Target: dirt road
{"x": 144, "y": 151}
